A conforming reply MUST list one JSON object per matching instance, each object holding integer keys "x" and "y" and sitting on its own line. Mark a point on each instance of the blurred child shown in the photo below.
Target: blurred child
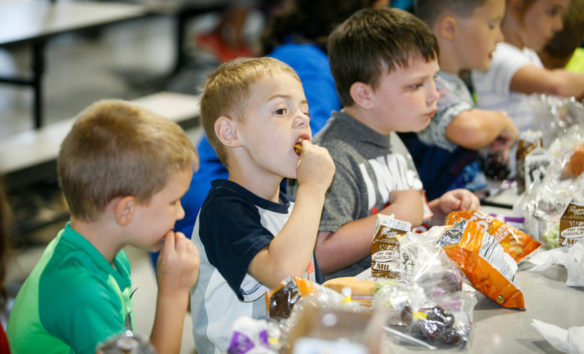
{"x": 384, "y": 62}
{"x": 445, "y": 152}
{"x": 251, "y": 235}
{"x": 516, "y": 71}
{"x": 123, "y": 170}
{"x": 563, "y": 50}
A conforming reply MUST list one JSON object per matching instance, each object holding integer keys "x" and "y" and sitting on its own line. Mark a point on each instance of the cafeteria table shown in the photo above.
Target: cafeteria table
{"x": 35, "y": 22}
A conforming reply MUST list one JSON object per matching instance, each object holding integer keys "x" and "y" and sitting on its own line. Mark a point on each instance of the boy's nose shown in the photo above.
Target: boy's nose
{"x": 433, "y": 94}
{"x": 180, "y": 212}
{"x": 301, "y": 120}
{"x": 500, "y": 37}
{"x": 558, "y": 24}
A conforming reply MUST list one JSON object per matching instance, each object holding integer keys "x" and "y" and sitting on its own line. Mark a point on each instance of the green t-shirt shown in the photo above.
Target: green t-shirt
{"x": 72, "y": 300}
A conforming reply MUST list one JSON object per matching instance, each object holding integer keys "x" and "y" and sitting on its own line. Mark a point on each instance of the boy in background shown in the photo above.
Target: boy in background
{"x": 251, "y": 235}
{"x": 384, "y": 63}
{"x": 516, "y": 71}
{"x": 445, "y": 152}
{"x": 123, "y": 170}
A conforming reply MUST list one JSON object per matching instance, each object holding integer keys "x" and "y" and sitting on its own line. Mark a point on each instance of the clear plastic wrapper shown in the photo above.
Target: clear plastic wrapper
{"x": 555, "y": 116}
{"x": 282, "y": 299}
{"x": 543, "y": 202}
{"x": 428, "y": 305}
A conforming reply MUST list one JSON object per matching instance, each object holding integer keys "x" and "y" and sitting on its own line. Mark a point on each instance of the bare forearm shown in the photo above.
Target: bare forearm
{"x": 168, "y": 323}
{"x": 347, "y": 246}
{"x": 477, "y": 128}
{"x": 352, "y": 241}
{"x": 559, "y": 82}
{"x": 291, "y": 250}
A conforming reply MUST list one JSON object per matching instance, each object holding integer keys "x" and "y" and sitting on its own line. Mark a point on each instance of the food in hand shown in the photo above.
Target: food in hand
{"x": 298, "y": 146}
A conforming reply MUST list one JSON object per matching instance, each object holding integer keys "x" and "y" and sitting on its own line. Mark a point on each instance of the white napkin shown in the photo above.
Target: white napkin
{"x": 570, "y": 257}
{"x": 567, "y": 341}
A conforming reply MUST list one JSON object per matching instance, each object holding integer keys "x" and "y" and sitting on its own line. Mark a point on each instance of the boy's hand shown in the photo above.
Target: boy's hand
{"x": 506, "y": 137}
{"x": 454, "y": 200}
{"x": 178, "y": 264}
{"x": 315, "y": 167}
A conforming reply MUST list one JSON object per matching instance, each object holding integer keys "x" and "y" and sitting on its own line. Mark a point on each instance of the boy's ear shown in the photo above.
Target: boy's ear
{"x": 362, "y": 94}
{"x": 226, "y": 131}
{"x": 447, "y": 27}
{"x": 124, "y": 209}
{"x": 514, "y": 7}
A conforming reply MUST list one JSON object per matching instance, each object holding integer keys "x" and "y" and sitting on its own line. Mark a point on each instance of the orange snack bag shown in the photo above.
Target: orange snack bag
{"x": 482, "y": 259}
{"x": 281, "y": 299}
{"x": 515, "y": 242}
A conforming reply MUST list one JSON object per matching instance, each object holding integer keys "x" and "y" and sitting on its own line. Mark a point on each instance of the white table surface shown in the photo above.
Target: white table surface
{"x": 27, "y": 20}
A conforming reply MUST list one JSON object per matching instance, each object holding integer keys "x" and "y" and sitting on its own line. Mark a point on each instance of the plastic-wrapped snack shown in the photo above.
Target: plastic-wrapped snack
{"x": 484, "y": 262}
{"x": 529, "y": 140}
{"x": 281, "y": 299}
{"x": 328, "y": 326}
{"x": 250, "y": 336}
{"x": 444, "y": 320}
{"x": 575, "y": 165}
{"x": 360, "y": 291}
{"x": 515, "y": 242}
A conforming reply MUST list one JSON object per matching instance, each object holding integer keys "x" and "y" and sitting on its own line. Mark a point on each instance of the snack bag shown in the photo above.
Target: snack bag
{"x": 385, "y": 247}
{"x": 515, "y": 242}
{"x": 281, "y": 300}
{"x": 483, "y": 261}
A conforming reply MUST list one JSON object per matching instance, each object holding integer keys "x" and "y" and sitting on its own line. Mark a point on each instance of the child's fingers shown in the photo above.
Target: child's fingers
{"x": 180, "y": 241}
{"x": 169, "y": 241}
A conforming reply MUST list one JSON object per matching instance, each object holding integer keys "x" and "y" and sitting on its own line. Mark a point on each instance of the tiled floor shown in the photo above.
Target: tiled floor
{"x": 124, "y": 61}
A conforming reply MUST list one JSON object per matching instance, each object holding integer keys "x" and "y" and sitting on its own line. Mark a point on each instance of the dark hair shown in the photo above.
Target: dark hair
{"x": 309, "y": 21}
{"x": 430, "y": 10}
{"x": 565, "y": 42}
{"x": 374, "y": 41}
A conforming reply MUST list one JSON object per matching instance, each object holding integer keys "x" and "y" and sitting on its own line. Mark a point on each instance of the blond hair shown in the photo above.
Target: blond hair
{"x": 115, "y": 149}
{"x": 227, "y": 90}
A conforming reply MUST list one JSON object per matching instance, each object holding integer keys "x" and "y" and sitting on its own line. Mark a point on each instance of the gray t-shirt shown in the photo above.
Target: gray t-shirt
{"x": 369, "y": 166}
{"x": 454, "y": 99}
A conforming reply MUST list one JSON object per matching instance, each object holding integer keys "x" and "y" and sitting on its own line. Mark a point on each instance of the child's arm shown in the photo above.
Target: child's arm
{"x": 352, "y": 242}
{"x": 178, "y": 270}
{"x": 457, "y": 199}
{"x": 477, "y": 128}
{"x": 291, "y": 250}
{"x": 558, "y": 82}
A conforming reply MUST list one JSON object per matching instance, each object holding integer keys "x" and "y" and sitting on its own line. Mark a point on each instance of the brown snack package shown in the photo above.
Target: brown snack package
{"x": 385, "y": 248}
{"x": 482, "y": 259}
{"x": 528, "y": 141}
{"x": 515, "y": 242}
{"x": 281, "y": 300}
{"x": 572, "y": 224}
{"x": 362, "y": 291}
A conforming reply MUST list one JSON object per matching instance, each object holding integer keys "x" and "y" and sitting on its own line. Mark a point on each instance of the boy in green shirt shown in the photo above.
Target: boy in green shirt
{"x": 123, "y": 170}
